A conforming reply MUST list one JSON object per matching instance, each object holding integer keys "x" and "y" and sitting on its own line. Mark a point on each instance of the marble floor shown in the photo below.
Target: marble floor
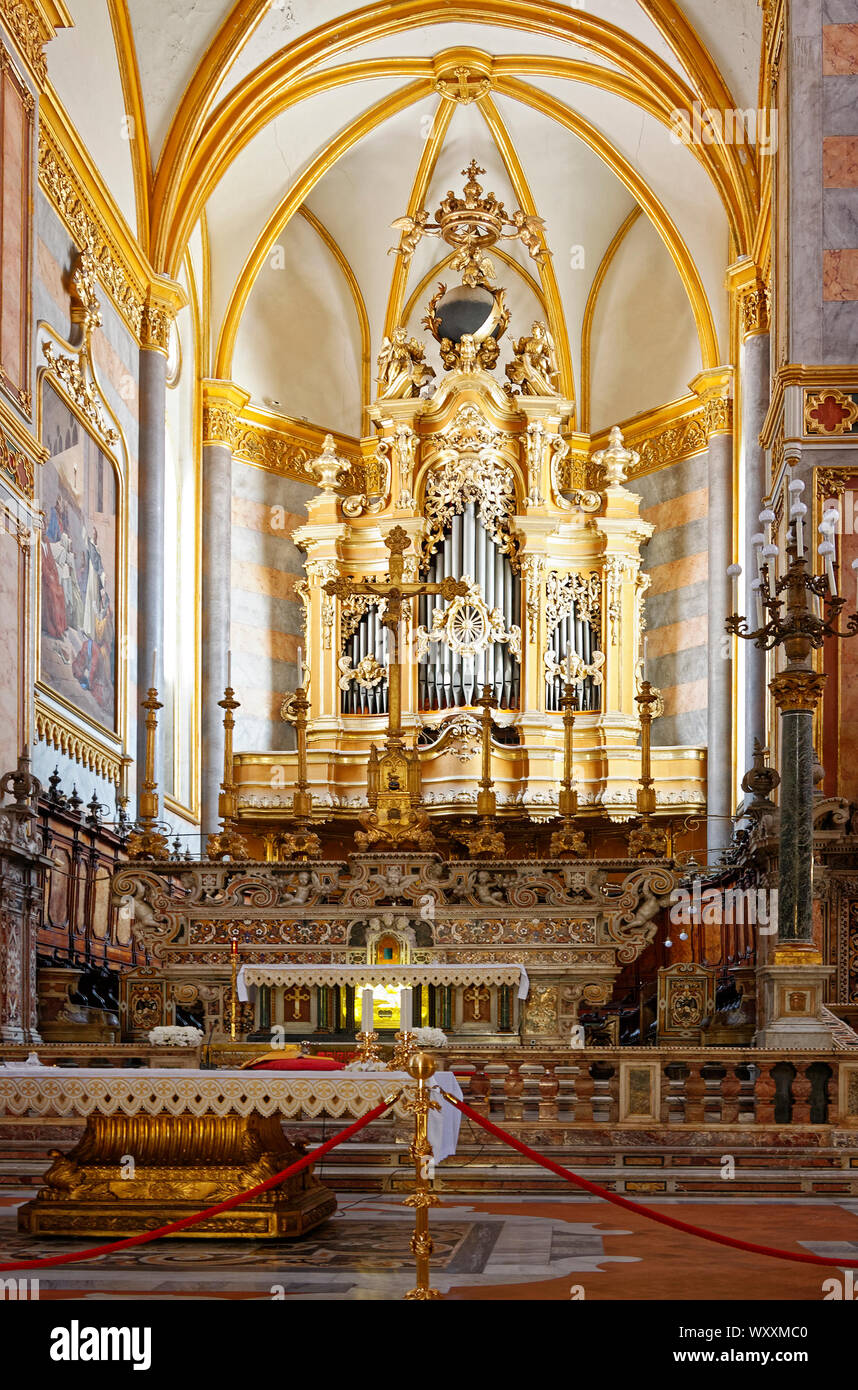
{"x": 514, "y": 1249}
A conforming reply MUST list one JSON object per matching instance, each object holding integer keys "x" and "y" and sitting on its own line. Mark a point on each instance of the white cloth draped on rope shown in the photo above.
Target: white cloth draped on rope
{"x": 57, "y": 1092}
{"x": 251, "y": 976}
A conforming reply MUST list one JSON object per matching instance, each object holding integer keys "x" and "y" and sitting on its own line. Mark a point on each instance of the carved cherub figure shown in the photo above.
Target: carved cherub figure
{"x": 300, "y": 894}
{"x": 485, "y": 893}
{"x": 412, "y": 229}
{"x": 529, "y": 231}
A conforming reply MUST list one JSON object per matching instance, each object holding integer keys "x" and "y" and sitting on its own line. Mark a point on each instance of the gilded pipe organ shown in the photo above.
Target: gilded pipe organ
{"x": 484, "y": 477}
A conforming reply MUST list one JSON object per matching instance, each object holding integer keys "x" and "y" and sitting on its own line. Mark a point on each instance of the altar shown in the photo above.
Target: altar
{"x": 162, "y": 1144}
{"x": 295, "y": 999}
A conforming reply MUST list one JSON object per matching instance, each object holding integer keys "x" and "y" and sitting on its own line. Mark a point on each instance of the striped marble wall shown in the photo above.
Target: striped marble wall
{"x": 266, "y": 610}
{"x": 675, "y": 500}
{"x": 840, "y": 179}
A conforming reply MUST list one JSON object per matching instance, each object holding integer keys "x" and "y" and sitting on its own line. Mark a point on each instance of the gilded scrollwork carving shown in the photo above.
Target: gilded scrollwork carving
{"x": 468, "y": 626}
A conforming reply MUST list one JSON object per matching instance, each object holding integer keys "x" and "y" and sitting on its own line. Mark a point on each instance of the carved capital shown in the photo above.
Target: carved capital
{"x": 797, "y": 690}
{"x": 223, "y": 403}
{"x": 164, "y": 300}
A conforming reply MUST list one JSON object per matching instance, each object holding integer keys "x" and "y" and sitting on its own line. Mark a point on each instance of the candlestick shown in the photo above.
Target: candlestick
{"x": 366, "y": 1009}
{"x": 826, "y": 549}
{"x": 734, "y": 573}
{"x": 229, "y": 670}
{"x": 405, "y": 1005}
{"x": 154, "y": 663}
{"x": 797, "y": 512}
{"x": 855, "y": 572}
{"x": 756, "y": 588}
{"x": 300, "y": 667}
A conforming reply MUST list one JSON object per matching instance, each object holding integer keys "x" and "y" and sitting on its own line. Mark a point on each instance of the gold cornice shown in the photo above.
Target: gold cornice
{"x": 287, "y": 447}
{"x": 20, "y": 436}
{"x": 590, "y": 309}
{"x": 75, "y": 190}
{"x": 31, "y": 23}
{"x": 663, "y": 436}
{"x": 389, "y": 106}
{"x": 838, "y": 375}
{"x": 714, "y": 388}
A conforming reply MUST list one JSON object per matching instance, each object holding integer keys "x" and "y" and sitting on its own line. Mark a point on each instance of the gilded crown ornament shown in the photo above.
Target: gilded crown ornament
{"x": 470, "y": 224}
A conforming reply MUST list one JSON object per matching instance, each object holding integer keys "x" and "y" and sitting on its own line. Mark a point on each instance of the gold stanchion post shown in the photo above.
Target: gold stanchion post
{"x": 421, "y": 1066}
{"x": 568, "y": 840}
{"x": 227, "y": 843}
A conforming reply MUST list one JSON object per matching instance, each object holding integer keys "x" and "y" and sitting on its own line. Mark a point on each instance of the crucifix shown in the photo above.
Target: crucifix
{"x": 296, "y": 996}
{"x": 393, "y": 777}
{"x": 476, "y": 996}
{"x": 395, "y": 590}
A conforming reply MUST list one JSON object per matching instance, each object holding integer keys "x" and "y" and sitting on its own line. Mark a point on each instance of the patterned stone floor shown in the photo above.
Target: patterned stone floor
{"x": 521, "y": 1249}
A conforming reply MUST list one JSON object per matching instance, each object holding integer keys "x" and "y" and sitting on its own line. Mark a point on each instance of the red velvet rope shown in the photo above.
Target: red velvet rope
{"x": 198, "y": 1216}
{"x": 629, "y": 1205}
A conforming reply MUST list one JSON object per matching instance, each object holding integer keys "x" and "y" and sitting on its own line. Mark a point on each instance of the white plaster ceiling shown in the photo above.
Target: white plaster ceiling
{"x": 582, "y": 200}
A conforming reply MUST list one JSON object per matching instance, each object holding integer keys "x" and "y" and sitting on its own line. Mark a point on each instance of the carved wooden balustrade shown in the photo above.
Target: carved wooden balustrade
{"x": 657, "y": 1087}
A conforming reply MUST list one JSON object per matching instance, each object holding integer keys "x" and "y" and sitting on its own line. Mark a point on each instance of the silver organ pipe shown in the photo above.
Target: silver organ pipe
{"x": 447, "y": 680}
{"x": 572, "y": 634}
{"x": 369, "y": 638}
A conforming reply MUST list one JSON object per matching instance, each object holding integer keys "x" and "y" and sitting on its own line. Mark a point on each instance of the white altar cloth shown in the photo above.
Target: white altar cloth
{"x": 250, "y": 976}
{"x": 61, "y": 1091}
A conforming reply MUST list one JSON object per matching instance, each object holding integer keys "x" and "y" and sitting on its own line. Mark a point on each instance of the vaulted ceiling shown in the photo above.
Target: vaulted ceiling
{"x": 273, "y": 142}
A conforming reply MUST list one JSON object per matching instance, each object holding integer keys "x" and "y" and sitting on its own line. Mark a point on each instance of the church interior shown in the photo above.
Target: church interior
{"x": 428, "y": 469}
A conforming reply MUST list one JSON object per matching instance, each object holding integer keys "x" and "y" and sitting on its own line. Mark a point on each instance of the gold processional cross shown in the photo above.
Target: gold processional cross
{"x": 393, "y": 782}
{"x": 296, "y": 996}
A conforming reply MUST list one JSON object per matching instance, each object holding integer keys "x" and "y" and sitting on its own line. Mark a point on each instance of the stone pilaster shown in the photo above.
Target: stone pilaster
{"x": 164, "y": 300}
{"x": 755, "y": 388}
{"x": 715, "y": 389}
{"x": 223, "y": 402}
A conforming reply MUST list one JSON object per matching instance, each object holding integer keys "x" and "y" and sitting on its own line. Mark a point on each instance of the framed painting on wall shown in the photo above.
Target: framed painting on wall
{"x": 79, "y": 564}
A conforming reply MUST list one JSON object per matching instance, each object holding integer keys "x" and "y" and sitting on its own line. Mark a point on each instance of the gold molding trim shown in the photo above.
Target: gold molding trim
{"x": 813, "y": 400}
{"x": 62, "y": 734}
{"x": 223, "y": 402}
{"x": 31, "y": 24}
{"x": 69, "y": 195}
{"x": 289, "y": 447}
{"x": 745, "y": 280}
{"x": 671, "y": 433}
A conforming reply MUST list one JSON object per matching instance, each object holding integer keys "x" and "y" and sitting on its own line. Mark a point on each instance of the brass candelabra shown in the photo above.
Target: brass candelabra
{"x": 147, "y": 840}
{"x": 646, "y": 839}
{"x": 568, "y": 840}
{"x": 227, "y": 843}
{"x": 487, "y": 838}
{"x": 302, "y": 842}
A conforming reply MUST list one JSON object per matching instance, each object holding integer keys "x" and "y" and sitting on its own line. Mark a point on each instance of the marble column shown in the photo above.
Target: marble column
{"x": 719, "y": 665}
{"x": 222, "y": 404}
{"x": 165, "y": 298}
{"x": 755, "y": 403}
{"x": 150, "y": 545}
{"x": 793, "y": 980}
